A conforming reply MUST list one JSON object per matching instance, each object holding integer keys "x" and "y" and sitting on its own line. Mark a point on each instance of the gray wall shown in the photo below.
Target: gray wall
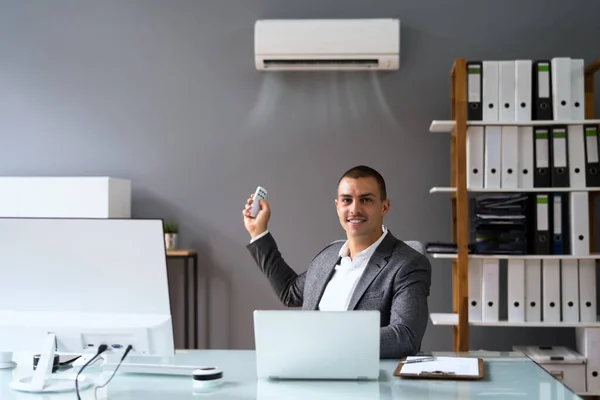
{"x": 165, "y": 93}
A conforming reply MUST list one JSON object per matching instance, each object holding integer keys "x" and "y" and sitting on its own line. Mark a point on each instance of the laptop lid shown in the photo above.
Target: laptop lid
{"x": 300, "y": 344}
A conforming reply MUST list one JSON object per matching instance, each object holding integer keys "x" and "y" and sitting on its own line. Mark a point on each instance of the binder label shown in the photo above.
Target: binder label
{"x": 541, "y": 149}
{"x": 474, "y": 83}
{"x": 591, "y": 139}
{"x": 543, "y": 80}
{"x": 542, "y": 212}
{"x": 559, "y": 147}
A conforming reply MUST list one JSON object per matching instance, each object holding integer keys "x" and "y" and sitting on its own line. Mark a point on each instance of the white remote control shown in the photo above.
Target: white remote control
{"x": 261, "y": 193}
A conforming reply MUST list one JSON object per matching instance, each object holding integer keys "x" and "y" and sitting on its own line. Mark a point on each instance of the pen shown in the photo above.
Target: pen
{"x": 416, "y": 360}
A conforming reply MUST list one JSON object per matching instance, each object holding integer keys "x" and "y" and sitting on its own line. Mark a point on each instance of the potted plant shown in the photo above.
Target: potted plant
{"x": 171, "y": 232}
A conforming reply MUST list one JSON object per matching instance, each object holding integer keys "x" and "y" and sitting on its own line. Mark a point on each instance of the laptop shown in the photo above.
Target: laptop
{"x": 302, "y": 344}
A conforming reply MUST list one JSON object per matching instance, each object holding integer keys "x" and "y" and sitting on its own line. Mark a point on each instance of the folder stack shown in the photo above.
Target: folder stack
{"x": 501, "y": 223}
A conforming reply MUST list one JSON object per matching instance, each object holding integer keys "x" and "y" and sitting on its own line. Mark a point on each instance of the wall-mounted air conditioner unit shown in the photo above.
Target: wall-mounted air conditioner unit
{"x": 327, "y": 44}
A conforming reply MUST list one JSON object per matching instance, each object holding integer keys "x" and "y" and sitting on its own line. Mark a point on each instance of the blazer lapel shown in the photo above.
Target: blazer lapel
{"x": 378, "y": 261}
{"x": 321, "y": 279}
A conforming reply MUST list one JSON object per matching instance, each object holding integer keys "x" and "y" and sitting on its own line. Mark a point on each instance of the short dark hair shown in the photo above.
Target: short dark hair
{"x": 362, "y": 171}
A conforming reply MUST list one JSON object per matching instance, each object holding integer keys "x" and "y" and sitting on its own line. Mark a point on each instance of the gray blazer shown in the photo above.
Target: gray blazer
{"x": 396, "y": 282}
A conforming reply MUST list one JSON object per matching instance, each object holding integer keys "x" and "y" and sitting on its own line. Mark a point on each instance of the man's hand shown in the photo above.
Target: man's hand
{"x": 257, "y": 225}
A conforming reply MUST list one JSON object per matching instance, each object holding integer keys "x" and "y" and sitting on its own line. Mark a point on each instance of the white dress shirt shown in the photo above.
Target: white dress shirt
{"x": 340, "y": 288}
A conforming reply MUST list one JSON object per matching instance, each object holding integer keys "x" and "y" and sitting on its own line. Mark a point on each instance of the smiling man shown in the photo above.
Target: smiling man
{"x": 370, "y": 270}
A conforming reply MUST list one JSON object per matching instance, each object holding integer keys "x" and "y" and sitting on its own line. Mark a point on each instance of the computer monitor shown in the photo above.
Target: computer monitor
{"x": 70, "y": 285}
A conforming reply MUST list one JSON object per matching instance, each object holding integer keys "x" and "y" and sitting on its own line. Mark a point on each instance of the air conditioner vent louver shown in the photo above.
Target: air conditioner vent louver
{"x": 323, "y": 62}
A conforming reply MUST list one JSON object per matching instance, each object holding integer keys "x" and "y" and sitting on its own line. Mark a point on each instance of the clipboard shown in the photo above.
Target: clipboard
{"x": 428, "y": 373}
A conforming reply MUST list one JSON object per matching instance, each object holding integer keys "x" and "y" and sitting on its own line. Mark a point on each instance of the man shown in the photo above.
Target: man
{"x": 371, "y": 270}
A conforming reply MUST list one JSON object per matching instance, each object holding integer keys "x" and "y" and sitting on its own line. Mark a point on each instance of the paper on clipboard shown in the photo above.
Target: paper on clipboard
{"x": 443, "y": 367}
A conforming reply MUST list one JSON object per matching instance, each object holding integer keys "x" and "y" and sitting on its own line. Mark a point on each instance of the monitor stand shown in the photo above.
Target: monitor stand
{"x": 6, "y": 361}
{"x": 43, "y": 380}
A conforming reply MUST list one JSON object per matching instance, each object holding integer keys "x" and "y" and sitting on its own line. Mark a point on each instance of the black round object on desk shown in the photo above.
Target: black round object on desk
{"x": 206, "y": 379}
{"x": 207, "y": 374}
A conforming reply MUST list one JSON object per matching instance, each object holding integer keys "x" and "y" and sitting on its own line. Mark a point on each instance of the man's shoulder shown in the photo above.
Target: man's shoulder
{"x": 339, "y": 243}
{"x": 406, "y": 252}
{"x": 334, "y": 246}
{"x": 331, "y": 250}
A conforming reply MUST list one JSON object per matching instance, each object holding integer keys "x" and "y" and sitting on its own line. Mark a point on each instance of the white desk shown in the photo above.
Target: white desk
{"x": 512, "y": 376}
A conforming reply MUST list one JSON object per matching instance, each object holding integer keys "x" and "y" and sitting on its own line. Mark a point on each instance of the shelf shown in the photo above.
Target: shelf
{"x": 515, "y": 190}
{"x": 518, "y": 257}
{"x": 451, "y": 319}
{"x": 444, "y": 318}
{"x": 181, "y": 253}
{"x": 447, "y": 126}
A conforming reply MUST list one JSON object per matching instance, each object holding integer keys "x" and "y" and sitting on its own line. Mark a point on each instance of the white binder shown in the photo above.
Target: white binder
{"x": 587, "y": 291}
{"x": 533, "y": 290}
{"x": 490, "y": 290}
{"x": 526, "y": 168}
{"x": 510, "y": 157}
{"x": 490, "y": 91}
{"x": 576, "y": 150}
{"x": 559, "y": 150}
{"x": 588, "y": 344}
{"x": 493, "y": 156}
{"x": 569, "y": 271}
{"x": 551, "y": 290}
{"x": 475, "y": 156}
{"x": 577, "y": 90}
{"x": 561, "y": 88}
{"x": 523, "y": 90}
{"x": 506, "y": 90}
{"x": 475, "y": 289}
{"x": 579, "y": 224}
{"x": 516, "y": 290}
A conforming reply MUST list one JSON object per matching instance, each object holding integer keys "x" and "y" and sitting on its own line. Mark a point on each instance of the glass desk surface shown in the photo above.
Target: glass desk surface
{"x": 506, "y": 375}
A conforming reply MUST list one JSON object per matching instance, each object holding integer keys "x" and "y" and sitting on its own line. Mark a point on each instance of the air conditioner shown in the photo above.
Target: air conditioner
{"x": 327, "y": 44}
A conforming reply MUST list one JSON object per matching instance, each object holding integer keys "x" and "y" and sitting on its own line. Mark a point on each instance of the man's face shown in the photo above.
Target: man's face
{"x": 359, "y": 206}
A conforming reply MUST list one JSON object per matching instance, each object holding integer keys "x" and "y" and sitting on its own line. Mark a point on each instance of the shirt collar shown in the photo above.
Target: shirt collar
{"x": 368, "y": 252}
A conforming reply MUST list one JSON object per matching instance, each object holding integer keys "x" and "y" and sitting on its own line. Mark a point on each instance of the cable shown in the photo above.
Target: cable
{"x": 68, "y": 363}
{"x": 101, "y": 349}
{"x": 129, "y": 348}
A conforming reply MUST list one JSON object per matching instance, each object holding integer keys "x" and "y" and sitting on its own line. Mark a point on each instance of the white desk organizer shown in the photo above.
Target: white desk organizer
{"x": 588, "y": 344}
{"x": 561, "y": 362}
{"x": 65, "y": 197}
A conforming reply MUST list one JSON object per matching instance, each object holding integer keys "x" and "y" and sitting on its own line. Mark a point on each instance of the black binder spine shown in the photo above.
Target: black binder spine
{"x": 592, "y": 163}
{"x": 542, "y": 90}
{"x": 474, "y": 90}
{"x": 541, "y": 154}
{"x": 541, "y": 212}
{"x": 559, "y": 156}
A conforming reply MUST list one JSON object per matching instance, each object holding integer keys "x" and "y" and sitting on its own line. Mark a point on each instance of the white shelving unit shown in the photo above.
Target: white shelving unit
{"x": 459, "y": 195}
